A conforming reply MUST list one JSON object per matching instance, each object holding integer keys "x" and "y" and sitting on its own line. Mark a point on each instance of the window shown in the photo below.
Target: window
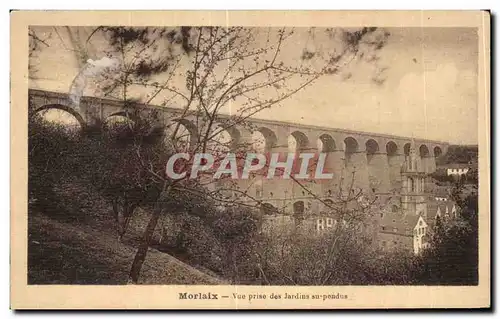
{"x": 394, "y": 208}
{"x": 329, "y": 222}
{"x": 258, "y": 188}
{"x": 395, "y": 230}
{"x": 408, "y": 230}
{"x": 420, "y": 223}
{"x": 393, "y": 220}
{"x": 381, "y": 215}
{"x": 383, "y": 228}
{"x": 271, "y": 194}
{"x": 395, "y": 243}
{"x": 320, "y": 225}
{"x": 383, "y": 243}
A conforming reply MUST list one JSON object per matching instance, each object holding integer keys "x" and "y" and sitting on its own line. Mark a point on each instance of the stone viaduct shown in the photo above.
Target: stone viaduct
{"x": 376, "y": 159}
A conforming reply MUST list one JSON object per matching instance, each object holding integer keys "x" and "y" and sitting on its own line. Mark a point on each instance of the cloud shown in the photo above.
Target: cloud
{"x": 441, "y": 100}
{"x": 98, "y": 66}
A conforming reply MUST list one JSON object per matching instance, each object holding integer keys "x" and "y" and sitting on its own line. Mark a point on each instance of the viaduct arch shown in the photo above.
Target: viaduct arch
{"x": 375, "y": 159}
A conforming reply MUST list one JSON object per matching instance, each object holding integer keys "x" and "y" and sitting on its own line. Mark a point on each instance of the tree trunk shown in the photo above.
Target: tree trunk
{"x": 121, "y": 218}
{"x": 118, "y": 217}
{"x": 140, "y": 256}
{"x": 128, "y": 213}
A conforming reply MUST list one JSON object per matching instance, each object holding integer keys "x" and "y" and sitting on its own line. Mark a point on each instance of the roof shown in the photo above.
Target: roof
{"x": 399, "y": 221}
{"x": 432, "y": 209}
{"x": 441, "y": 191}
{"x": 456, "y": 165}
{"x": 425, "y": 238}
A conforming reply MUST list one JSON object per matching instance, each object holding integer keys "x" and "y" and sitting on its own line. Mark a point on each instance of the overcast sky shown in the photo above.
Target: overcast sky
{"x": 430, "y": 89}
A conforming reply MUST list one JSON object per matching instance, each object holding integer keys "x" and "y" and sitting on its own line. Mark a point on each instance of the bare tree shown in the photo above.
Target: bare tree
{"x": 204, "y": 71}
{"x": 36, "y": 44}
{"x": 314, "y": 256}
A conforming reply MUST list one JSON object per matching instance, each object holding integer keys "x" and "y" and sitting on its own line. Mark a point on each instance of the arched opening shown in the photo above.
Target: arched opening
{"x": 186, "y": 135}
{"x": 298, "y": 210}
{"x": 264, "y": 140}
{"x": 61, "y": 115}
{"x": 351, "y": 145}
{"x": 406, "y": 149}
{"x": 235, "y": 135}
{"x": 118, "y": 119}
{"x": 221, "y": 143}
{"x": 120, "y": 126}
{"x": 424, "y": 151}
{"x": 298, "y": 207}
{"x": 298, "y": 141}
{"x": 268, "y": 209}
{"x": 393, "y": 160}
{"x": 438, "y": 151}
{"x": 392, "y": 148}
{"x": 371, "y": 149}
{"x": 259, "y": 189}
{"x": 258, "y": 142}
{"x": 411, "y": 185}
{"x": 326, "y": 143}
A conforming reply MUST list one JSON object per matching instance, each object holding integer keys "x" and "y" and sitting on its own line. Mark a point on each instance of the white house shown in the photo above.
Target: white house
{"x": 420, "y": 237}
{"x": 457, "y": 171}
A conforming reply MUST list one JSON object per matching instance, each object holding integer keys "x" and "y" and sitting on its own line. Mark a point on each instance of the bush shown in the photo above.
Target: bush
{"x": 222, "y": 241}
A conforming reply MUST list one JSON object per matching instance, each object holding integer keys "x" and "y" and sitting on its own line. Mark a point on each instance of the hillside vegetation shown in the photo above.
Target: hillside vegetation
{"x": 459, "y": 154}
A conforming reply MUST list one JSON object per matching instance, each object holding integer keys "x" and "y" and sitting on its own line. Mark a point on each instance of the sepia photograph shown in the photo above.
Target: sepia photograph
{"x": 228, "y": 156}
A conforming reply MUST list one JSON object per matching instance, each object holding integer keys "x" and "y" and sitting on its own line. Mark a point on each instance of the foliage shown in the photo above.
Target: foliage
{"x": 71, "y": 171}
{"x": 452, "y": 258}
{"x": 442, "y": 178}
{"x": 461, "y": 154}
{"x": 222, "y": 241}
{"x": 49, "y": 149}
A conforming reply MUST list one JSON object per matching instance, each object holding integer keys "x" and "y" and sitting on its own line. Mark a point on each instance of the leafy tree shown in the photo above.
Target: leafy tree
{"x": 462, "y": 154}
{"x": 452, "y": 258}
{"x": 49, "y": 150}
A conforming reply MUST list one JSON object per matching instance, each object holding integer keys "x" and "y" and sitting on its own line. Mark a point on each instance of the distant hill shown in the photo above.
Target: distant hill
{"x": 459, "y": 154}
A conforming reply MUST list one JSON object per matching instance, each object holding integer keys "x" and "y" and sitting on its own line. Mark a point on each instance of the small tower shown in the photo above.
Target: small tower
{"x": 413, "y": 177}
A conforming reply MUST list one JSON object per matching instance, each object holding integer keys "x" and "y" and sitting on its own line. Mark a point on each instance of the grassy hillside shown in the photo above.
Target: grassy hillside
{"x": 69, "y": 253}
